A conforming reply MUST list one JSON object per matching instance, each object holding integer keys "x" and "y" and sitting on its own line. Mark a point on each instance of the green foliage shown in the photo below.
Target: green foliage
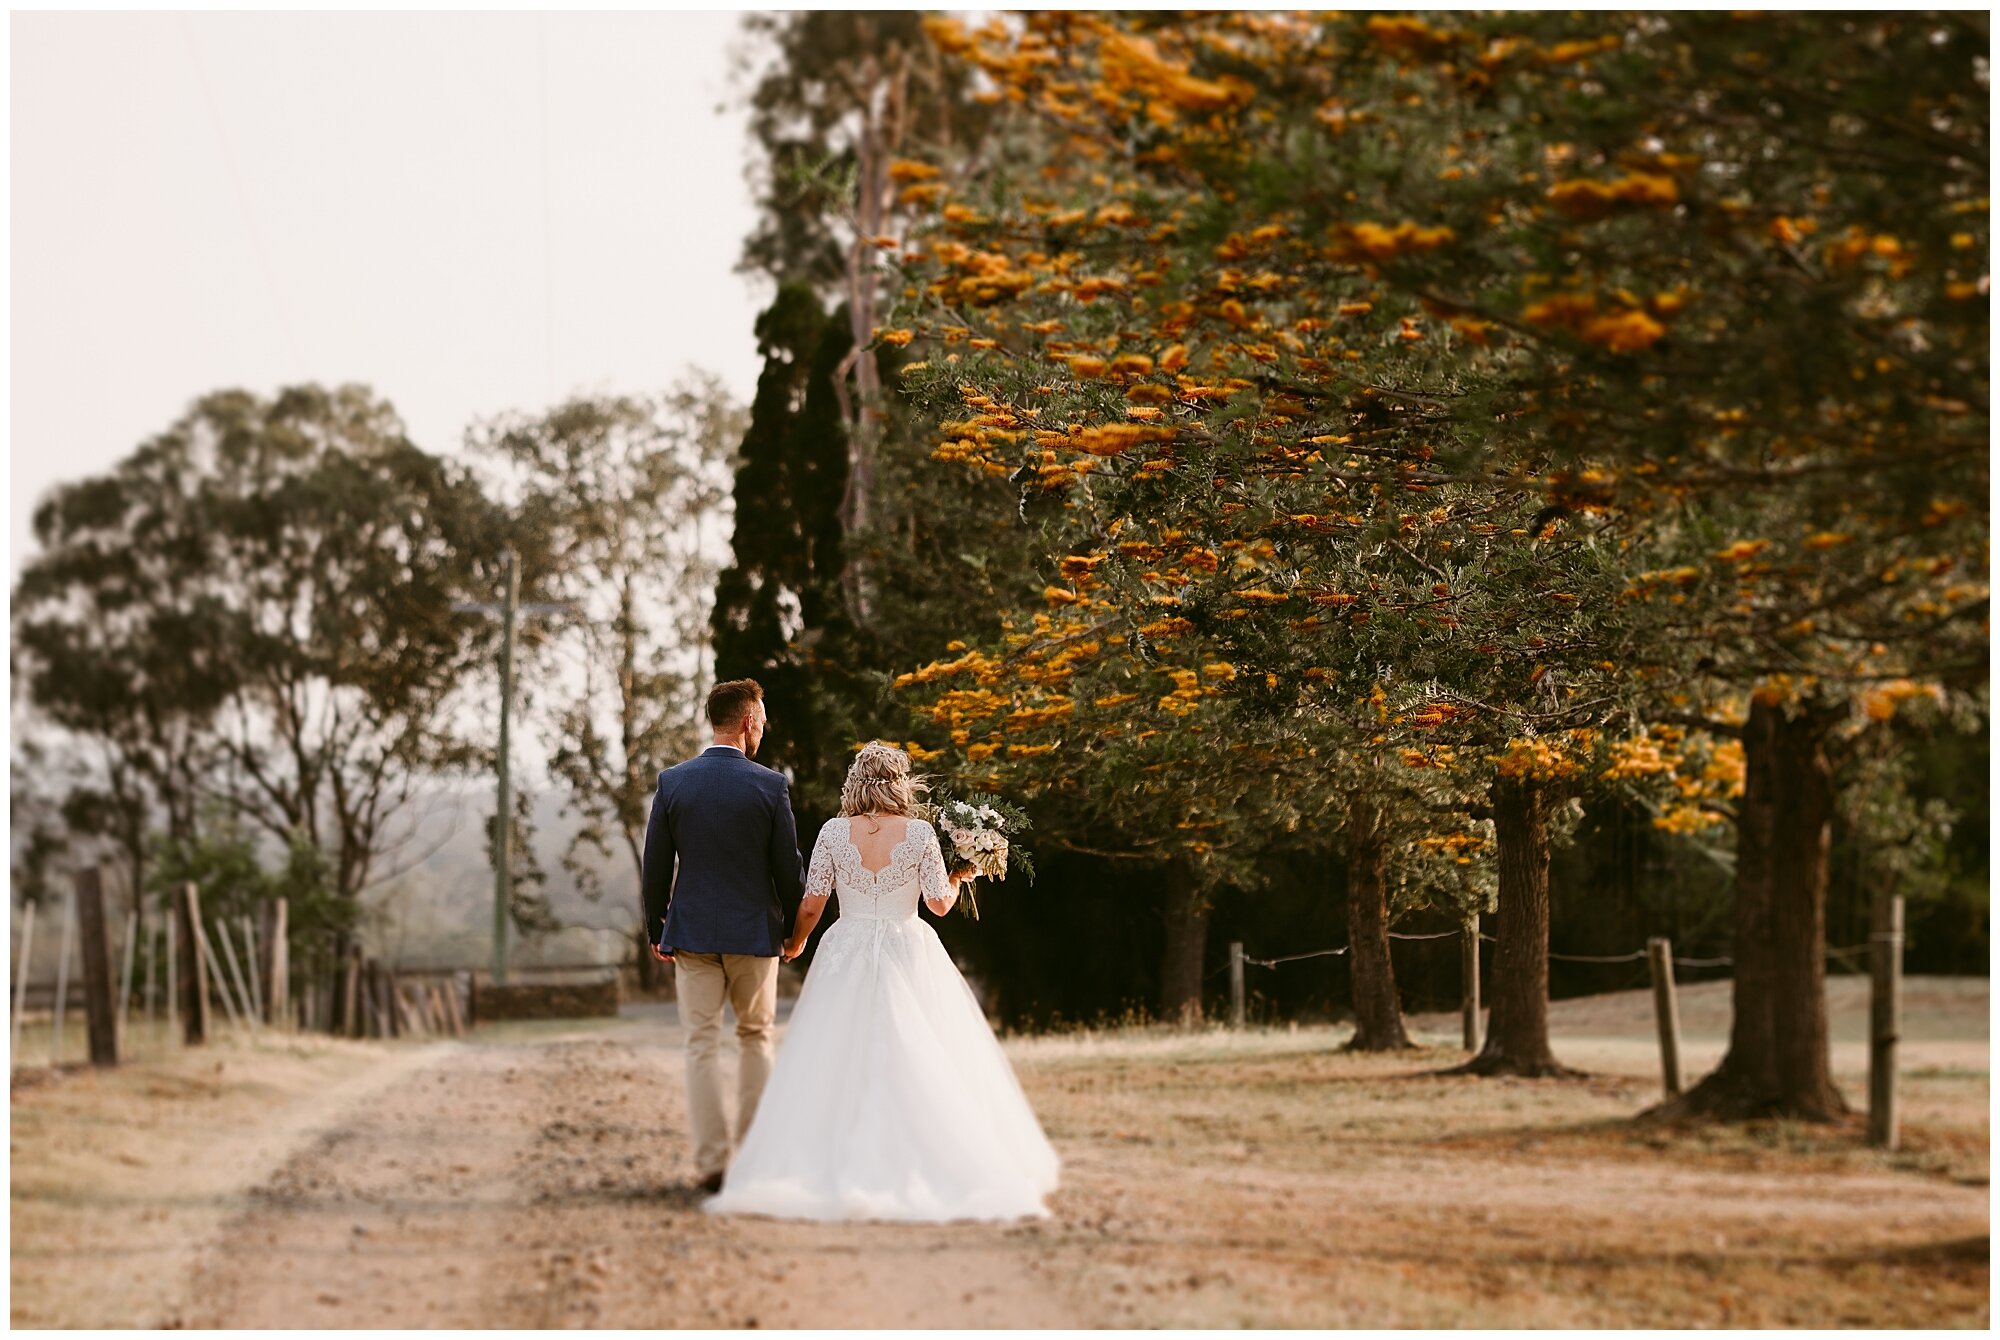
{"x": 256, "y": 606}
{"x": 618, "y": 494}
{"x": 227, "y": 863}
{"x": 812, "y": 68}
{"x": 528, "y": 910}
{"x": 1396, "y": 405}
{"x": 779, "y": 614}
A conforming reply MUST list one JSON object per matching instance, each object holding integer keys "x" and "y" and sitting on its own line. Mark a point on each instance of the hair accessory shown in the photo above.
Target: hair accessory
{"x": 887, "y": 755}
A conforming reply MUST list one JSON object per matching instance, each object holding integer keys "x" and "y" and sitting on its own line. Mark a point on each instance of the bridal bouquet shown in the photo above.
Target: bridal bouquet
{"x": 978, "y": 834}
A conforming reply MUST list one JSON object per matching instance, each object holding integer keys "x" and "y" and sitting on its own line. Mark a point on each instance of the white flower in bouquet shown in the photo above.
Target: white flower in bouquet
{"x": 984, "y": 849}
{"x": 975, "y": 837}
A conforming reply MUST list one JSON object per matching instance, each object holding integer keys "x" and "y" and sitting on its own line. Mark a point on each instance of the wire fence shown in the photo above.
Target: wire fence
{"x": 1844, "y": 952}
{"x": 1884, "y": 948}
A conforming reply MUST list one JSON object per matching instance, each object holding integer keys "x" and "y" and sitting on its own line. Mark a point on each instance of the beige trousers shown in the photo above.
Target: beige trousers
{"x": 749, "y": 983}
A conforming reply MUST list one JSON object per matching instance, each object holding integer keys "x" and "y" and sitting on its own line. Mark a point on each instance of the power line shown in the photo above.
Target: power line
{"x": 242, "y": 199}
{"x": 1289, "y": 958}
{"x": 1722, "y": 961}
{"x": 548, "y": 209}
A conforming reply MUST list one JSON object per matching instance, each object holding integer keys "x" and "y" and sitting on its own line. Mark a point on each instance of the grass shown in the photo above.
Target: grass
{"x": 1302, "y": 1185}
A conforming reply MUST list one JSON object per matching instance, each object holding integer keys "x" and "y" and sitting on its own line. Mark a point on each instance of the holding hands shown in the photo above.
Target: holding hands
{"x": 808, "y": 919}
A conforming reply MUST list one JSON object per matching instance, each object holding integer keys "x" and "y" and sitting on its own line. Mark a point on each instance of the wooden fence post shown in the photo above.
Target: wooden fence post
{"x": 278, "y": 962}
{"x": 100, "y": 1004}
{"x": 1236, "y": 984}
{"x": 1468, "y": 959}
{"x": 62, "y": 978}
{"x": 407, "y": 1008}
{"x": 253, "y": 989}
{"x": 149, "y": 1000}
{"x": 215, "y": 974}
{"x": 1885, "y": 1009}
{"x": 461, "y": 1013}
{"x": 390, "y": 991}
{"x": 125, "y": 974}
{"x": 332, "y": 987}
{"x": 192, "y": 997}
{"x": 246, "y": 1008}
{"x": 173, "y": 972}
{"x": 21, "y": 976}
{"x": 350, "y": 994}
{"x": 1660, "y": 957}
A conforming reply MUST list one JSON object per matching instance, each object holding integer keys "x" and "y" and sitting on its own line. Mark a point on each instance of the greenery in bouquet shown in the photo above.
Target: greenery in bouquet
{"x": 978, "y": 833}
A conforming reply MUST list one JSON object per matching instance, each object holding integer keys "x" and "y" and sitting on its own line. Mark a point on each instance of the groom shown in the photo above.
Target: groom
{"x": 722, "y": 880}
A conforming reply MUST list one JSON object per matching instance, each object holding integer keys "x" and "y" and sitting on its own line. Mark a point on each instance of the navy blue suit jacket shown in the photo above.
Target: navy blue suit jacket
{"x": 721, "y": 871}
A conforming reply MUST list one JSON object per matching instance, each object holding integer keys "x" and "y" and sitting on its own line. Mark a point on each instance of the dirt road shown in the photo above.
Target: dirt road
{"x": 544, "y": 1184}
{"x": 536, "y": 1176}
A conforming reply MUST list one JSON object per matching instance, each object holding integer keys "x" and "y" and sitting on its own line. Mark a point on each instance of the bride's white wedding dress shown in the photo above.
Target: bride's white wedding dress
{"x": 890, "y": 1097}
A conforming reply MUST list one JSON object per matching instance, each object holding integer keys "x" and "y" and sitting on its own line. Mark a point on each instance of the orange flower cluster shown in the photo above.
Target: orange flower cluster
{"x": 983, "y": 668}
{"x": 983, "y": 278}
{"x": 1624, "y": 328}
{"x": 1373, "y": 241}
{"x": 1590, "y": 200}
{"x": 1540, "y": 759}
{"x": 1134, "y": 65}
{"x": 1111, "y": 439}
{"x": 1881, "y": 701}
{"x": 1640, "y": 756}
{"x": 1412, "y": 37}
{"x": 1688, "y": 819}
{"x": 1461, "y": 845}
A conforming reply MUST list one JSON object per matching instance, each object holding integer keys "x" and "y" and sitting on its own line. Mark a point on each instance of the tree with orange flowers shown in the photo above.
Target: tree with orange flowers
{"x": 1706, "y": 291}
{"x": 1125, "y": 751}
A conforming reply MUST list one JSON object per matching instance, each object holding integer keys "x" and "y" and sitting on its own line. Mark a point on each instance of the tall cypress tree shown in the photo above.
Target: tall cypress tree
{"x": 779, "y": 616}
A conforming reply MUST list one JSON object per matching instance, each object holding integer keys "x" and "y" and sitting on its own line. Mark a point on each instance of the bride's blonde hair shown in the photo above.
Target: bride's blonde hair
{"x": 879, "y": 782}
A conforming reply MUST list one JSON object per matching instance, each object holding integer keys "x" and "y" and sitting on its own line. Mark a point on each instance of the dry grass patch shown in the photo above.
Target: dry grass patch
{"x": 1270, "y": 1179}
{"x": 119, "y": 1175}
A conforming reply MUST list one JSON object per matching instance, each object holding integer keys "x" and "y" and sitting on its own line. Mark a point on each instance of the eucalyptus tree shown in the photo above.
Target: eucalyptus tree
{"x": 623, "y": 497}
{"x": 119, "y": 642}
{"x": 256, "y": 607}
{"x": 838, "y": 100}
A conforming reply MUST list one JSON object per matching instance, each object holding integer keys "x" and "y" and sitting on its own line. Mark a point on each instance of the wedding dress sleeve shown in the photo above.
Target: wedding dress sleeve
{"x": 932, "y": 882}
{"x": 819, "y": 875}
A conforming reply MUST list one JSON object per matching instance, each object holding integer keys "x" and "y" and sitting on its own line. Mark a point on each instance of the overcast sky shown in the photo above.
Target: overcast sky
{"x": 468, "y": 212}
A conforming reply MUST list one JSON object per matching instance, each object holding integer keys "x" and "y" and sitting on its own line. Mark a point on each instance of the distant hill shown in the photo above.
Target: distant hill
{"x": 440, "y": 911}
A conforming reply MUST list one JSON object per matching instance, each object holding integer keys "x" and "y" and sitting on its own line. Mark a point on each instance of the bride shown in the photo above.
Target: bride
{"x": 890, "y": 1097}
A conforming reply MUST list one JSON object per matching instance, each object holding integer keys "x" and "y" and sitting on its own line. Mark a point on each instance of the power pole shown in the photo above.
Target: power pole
{"x": 503, "y": 829}
{"x": 510, "y": 609}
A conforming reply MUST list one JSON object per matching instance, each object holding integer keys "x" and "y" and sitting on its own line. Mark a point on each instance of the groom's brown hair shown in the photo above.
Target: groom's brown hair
{"x": 729, "y": 702}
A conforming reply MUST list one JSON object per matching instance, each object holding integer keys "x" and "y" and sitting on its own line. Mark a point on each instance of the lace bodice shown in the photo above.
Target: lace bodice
{"x": 915, "y": 870}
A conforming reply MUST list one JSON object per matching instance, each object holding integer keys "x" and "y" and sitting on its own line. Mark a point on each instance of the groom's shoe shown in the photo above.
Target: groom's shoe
{"x": 710, "y": 1184}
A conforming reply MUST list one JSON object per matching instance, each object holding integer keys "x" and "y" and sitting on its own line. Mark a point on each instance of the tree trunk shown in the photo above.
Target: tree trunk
{"x": 1777, "y": 1063}
{"x": 648, "y": 965}
{"x": 1187, "y": 943}
{"x": 1378, "y": 1014}
{"x": 336, "y": 1014}
{"x": 882, "y": 104}
{"x": 1517, "y": 1030}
